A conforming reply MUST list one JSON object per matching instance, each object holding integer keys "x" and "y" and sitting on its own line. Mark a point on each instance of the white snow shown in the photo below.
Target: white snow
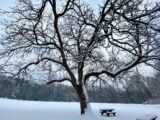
{"x": 146, "y": 117}
{"x": 29, "y": 110}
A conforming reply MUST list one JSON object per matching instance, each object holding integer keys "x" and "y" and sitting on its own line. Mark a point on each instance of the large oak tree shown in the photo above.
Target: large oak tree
{"x": 77, "y": 41}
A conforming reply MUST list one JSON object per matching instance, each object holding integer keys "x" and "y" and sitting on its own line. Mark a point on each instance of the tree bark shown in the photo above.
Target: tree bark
{"x": 83, "y": 98}
{"x": 83, "y": 104}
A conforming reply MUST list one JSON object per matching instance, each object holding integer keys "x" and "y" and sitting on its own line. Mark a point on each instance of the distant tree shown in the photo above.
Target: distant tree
{"x": 137, "y": 90}
{"x": 154, "y": 86}
{"x": 79, "y": 43}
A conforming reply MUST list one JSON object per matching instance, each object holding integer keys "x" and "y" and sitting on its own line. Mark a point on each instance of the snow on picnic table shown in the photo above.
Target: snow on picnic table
{"x": 31, "y": 110}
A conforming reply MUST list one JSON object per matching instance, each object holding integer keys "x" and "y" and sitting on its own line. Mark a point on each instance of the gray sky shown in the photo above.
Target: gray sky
{"x": 6, "y": 4}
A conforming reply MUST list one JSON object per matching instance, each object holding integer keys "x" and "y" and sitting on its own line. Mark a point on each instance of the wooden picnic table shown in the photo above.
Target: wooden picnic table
{"x": 108, "y": 111}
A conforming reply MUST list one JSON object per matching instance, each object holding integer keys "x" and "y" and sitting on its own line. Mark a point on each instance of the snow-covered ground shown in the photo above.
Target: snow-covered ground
{"x": 29, "y": 110}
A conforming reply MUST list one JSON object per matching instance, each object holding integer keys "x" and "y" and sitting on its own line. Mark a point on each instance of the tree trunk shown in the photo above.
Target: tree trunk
{"x": 83, "y": 103}
{"x": 83, "y": 97}
{"x": 86, "y": 110}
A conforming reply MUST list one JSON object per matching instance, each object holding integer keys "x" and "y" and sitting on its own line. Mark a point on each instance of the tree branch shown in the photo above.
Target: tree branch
{"x": 60, "y": 80}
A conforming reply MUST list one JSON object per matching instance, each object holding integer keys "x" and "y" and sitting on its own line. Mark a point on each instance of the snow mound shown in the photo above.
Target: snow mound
{"x": 147, "y": 117}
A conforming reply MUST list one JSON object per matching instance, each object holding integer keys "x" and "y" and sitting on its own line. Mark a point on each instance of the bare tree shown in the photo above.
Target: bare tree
{"x": 80, "y": 43}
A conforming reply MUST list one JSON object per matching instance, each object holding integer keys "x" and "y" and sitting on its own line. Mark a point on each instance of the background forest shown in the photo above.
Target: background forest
{"x": 129, "y": 89}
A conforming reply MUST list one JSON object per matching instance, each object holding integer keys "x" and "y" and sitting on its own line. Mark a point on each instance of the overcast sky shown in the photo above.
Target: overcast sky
{"x": 5, "y": 4}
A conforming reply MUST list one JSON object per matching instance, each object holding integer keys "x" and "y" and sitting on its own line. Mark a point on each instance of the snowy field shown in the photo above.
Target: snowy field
{"x": 29, "y": 110}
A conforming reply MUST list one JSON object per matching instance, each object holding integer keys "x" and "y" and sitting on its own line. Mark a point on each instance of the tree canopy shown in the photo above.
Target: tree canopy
{"x": 78, "y": 42}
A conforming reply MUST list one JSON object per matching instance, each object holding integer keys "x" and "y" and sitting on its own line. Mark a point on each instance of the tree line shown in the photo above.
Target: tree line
{"x": 137, "y": 90}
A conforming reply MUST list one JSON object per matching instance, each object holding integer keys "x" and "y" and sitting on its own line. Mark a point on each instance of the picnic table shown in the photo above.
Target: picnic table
{"x": 108, "y": 111}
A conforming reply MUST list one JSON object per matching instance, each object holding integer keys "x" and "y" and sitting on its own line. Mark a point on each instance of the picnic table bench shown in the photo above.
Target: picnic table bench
{"x": 147, "y": 117}
{"x": 108, "y": 112}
